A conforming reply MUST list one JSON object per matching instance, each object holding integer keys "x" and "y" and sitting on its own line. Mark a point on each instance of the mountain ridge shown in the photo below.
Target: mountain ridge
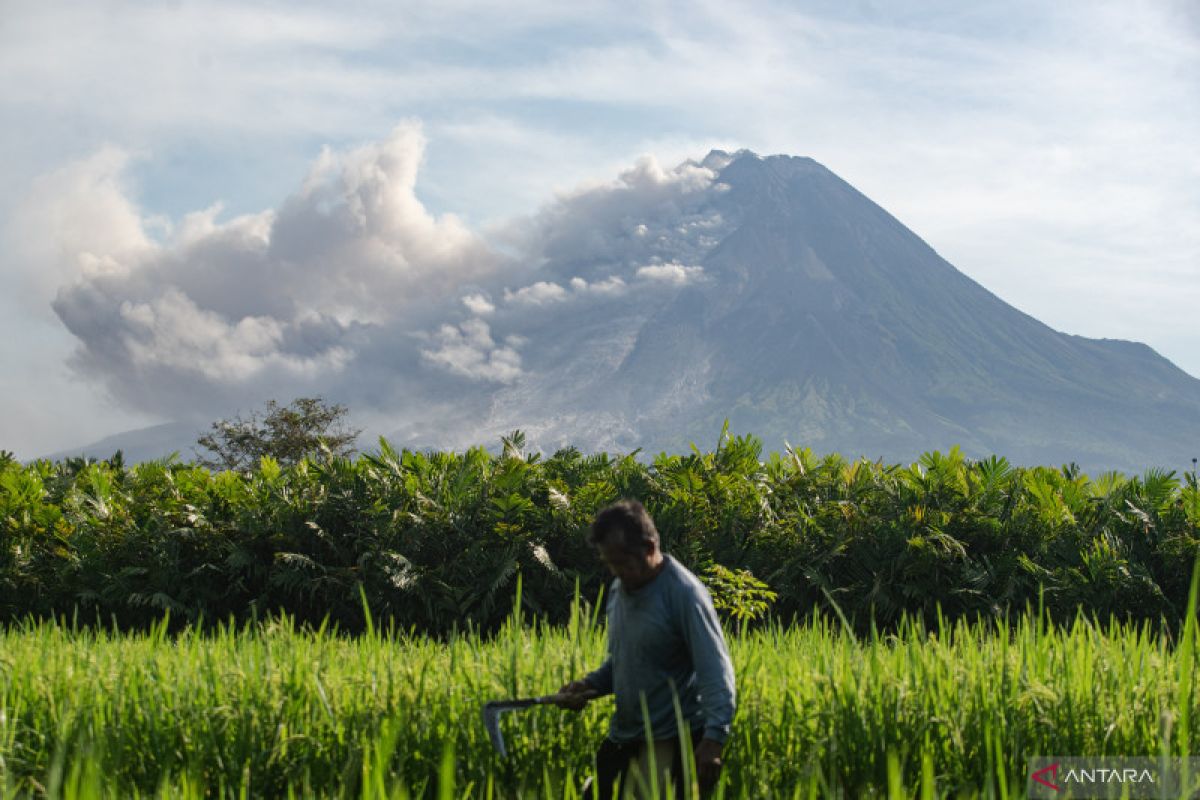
{"x": 826, "y": 320}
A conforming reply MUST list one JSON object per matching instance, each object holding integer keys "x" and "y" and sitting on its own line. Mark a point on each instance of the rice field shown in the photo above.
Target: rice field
{"x": 270, "y": 710}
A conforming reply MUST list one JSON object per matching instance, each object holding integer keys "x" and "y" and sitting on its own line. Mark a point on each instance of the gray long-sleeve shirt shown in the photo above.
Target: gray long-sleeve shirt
{"x": 666, "y": 633}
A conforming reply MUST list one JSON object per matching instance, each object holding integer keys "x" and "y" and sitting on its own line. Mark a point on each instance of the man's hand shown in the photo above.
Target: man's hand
{"x": 575, "y": 695}
{"x": 708, "y": 762}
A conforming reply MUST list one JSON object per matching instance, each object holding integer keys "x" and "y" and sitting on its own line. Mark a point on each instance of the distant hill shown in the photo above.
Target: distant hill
{"x": 143, "y": 444}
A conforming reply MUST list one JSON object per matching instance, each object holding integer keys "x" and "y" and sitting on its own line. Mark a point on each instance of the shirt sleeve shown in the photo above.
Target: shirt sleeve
{"x": 710, "y": 659}
{"x": 602, "y": 679}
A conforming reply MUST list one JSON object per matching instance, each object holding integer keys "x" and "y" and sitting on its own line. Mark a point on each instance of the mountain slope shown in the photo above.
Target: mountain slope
{"x": 826, "y": 322}
{"x": 143, "y": 444}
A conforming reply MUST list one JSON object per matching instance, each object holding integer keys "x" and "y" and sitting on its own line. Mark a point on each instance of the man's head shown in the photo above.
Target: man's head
{"x": 627, "y": 542}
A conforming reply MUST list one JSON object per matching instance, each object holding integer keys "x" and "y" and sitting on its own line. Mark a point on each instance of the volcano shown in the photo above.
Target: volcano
{"x": 644, "y": 313}
{"x": 824, "y": 322}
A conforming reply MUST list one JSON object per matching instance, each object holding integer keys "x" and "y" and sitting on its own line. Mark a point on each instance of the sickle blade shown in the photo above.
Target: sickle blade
{"x": 491, "y": 719}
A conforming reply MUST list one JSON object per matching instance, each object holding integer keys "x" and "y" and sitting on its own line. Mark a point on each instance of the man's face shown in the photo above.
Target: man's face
{"x": 634, "y": 569}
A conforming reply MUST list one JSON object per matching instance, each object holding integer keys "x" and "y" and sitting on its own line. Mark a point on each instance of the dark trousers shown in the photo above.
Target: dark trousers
{"x": 612, "y": 761}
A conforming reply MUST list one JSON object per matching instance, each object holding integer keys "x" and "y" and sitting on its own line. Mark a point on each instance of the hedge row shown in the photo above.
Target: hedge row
{"x": 436, "y": 540}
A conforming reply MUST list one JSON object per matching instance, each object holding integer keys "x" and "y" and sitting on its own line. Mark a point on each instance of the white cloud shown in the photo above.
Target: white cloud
{"x": 611, "y": 286}
{"x": 365, "y": 240}
{"x": 77, "y": 221}
{"x": 331, "y": 290}
{"x": 172, "y": 332}
{"x": 670, "y": 273}
{"x": 284, "y": 294}
{"x": 468, "y": 350}
{"x": 546, "y": 293}
{"x": 609, "y": 223}
{"x": 539, "y": 294}
{"x": 478, "y": 304}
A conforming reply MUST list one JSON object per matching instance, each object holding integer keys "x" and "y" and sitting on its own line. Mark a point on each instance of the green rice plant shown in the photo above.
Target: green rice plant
{"x": 273, "y": 709}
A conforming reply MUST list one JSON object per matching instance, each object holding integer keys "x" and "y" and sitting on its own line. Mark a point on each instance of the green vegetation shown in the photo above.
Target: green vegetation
{"x": 306, "y": 427}
{"x": 181, "y": 632}
{"x": 267, "y": 709}
{"x": 437, "y": 539}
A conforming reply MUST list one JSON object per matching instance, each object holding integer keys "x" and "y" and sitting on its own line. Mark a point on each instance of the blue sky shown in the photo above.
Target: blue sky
{"x": 1047, "y": 150}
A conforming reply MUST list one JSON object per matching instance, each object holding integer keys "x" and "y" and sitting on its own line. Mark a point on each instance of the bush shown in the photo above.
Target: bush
{"x": 436, "y": 540}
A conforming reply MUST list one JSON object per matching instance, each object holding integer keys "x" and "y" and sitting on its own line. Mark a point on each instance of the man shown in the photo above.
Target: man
{"x": 664, "y": 641}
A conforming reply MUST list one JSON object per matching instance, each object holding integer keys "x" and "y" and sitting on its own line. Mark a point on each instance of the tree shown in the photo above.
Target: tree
{"x": 287, "y": 434}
